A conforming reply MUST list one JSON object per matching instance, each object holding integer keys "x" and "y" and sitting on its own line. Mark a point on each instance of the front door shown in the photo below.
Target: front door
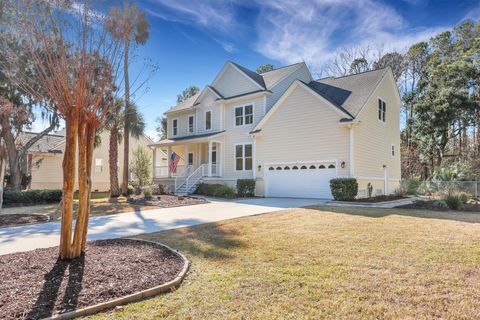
{"x": 214, "y": 161}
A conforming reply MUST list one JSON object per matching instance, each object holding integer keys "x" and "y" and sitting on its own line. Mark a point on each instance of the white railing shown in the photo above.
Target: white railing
{"x": 182, "y": 177}
{"x": 162, "y": 171}
{"x": 194, "y": 177}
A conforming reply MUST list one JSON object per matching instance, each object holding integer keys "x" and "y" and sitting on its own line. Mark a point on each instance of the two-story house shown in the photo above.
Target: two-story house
{"x": 290, "y": 133}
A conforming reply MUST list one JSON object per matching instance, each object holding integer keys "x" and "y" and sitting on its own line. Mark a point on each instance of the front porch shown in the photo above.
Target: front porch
{"x": 199, "y": 158}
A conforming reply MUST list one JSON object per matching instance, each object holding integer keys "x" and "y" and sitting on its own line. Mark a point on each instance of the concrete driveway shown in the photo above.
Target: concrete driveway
{"x": 30, "y": 237}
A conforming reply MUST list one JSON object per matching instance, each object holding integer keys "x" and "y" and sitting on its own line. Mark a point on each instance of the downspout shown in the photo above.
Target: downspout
{"x": 351, "y": 151}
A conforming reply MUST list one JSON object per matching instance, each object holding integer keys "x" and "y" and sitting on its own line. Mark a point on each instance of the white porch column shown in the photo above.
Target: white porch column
{"x": 154, "y": 161}
{"x": 169, "y": 154}
{"x": 185, "y": 159}
{"x": 210, "y": 149}
{"x": 220, "y": 159}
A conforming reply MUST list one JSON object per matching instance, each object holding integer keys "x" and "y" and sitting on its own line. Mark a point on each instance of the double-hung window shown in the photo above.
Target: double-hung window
{"x": 208, "y": 120}
{"x": 191, "y": 124}
{"x": 243, "y": 115}
{"x": 382, "y": 110}
{"x": 243, "y": 157}
{"x": 174, "y": 127}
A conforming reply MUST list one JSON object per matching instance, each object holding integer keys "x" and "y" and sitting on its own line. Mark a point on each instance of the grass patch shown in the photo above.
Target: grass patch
{"x": 324, "y": 262}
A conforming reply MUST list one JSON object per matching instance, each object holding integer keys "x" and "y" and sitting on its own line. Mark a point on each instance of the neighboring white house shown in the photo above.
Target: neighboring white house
{"x": 45, "y": 160}
{"x": 290, "y": 133}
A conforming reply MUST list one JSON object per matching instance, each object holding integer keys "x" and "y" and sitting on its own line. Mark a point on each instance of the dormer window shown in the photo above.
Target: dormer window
{"x": 191, "y": 124}
{"x": 174, "y": 127}
{"x": 382, "y": 110}
{"x": 243, "y": 115}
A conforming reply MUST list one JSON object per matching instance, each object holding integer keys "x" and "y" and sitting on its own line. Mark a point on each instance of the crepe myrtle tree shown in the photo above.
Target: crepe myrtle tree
{"x": 75, "y": 62}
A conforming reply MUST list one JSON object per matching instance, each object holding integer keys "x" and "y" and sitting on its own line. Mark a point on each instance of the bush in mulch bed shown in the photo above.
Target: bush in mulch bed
{"x": 36, "y": 285}
{"x": 18, "y": 219}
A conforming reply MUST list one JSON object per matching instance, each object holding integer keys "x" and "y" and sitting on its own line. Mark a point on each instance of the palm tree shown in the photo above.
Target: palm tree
{"x": 115, "y": 124}
{"x": 129, "y": 25}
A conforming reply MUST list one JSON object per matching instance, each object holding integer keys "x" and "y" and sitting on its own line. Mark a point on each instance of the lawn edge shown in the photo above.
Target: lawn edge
{"x": 134, "y": 297}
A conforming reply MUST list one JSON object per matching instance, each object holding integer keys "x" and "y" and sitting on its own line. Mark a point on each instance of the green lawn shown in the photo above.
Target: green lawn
{"x": 339, "y": 263}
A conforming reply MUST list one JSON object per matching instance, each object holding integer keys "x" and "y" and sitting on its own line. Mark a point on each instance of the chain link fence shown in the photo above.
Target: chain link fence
{"x": 438, "y": 188}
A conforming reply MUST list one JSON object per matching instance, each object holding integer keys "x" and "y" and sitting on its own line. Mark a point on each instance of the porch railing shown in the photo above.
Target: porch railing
{"x": 162, "y": 171}
{"x": 182, "y": 177}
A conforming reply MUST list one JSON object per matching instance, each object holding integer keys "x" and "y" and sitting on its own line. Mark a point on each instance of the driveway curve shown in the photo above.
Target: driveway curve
{"x": 24, "y": 238}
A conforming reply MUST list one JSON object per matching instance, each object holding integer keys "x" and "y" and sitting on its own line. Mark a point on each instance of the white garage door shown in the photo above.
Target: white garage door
{"x": 300, "y": 181}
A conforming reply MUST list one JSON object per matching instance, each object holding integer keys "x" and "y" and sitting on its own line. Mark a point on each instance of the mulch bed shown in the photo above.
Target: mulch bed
{"x": 35, "y": 284}
{"x": 433, "y": 205}
{"x": 18, "y": 219}
{"x": 378, "y": 199}
{"x": 167, "y": 201}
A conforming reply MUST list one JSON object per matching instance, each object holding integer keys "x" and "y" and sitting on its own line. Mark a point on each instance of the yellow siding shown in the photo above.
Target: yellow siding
{"x": 207, "y": 103}
{"x": 48, "y": 173}
{"x": 303, "y": 128}
{"x": 182, "y": 124}
{"x": 237, "y": 135}
{"x": 278, "y": 90}
{"x": 233, "y": 82}
{"x": 373, "y": 138}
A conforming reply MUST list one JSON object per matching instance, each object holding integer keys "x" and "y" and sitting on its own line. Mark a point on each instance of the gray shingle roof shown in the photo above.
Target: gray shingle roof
{"x": 349, "y": 93}
{"x": 47, "y": 144}
{"x": 272, "y": 77}
{"x": 185, "y": 104}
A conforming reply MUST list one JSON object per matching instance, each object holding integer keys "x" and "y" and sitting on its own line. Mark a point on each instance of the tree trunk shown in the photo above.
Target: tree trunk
{"x": 113, "y": 163}
{"x": 82, "y": 189}
{"x": 90, "y": 146}
{"x": 68, "y": 166}
{"x": 12, "y": 153}
{"x": 2, "y": 170}
{"x": 126, "y": 129}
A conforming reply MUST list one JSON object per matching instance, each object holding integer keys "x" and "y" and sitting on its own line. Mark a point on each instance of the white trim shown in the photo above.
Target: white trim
{"x": 287, "y": 93}
{"x": 173, "y": 131}
{"x": 203, "y": 92}
{"x": 243, "y": 114}
{"x": 193, "y": 124}
{"x": 351, "y": 152}
{"x": 211, "y": 120}
{"x": 243, "y": 156}
{"x": 223, "y": 70}
{"x": 385, "y": 183}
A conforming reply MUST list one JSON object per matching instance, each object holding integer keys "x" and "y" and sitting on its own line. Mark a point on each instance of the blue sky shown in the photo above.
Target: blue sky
{"x": 191, "y": 40}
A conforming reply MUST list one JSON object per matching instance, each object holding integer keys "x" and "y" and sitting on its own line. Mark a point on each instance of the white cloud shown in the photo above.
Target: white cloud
{"x": 296, "y": 30}
{"x": 212, "y": 14}
{"x": 290, "y": 31}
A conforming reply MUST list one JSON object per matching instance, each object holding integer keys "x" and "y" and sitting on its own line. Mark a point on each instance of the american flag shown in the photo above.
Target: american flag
{"x": 174, "y": 158}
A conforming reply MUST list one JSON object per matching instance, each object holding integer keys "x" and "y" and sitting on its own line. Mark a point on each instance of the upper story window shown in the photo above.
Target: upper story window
{"x": 243, "y": 115}
{"x": 191, "y": 124}
{"x": 382, "y": 110}
{"x": 208, "y": 120}
{"x": 98, "y": 165}
{"x": 243, "y": 157}
{"x": 174, "y": 127}
{"x": 393, "y": 151}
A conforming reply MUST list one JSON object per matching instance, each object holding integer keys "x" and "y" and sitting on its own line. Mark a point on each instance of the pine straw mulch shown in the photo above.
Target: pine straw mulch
{"x": 166, "y": 200}
{"x": 35, "y": 284}
{"x": 433, "y": 205}
{"x": 18, "y": 219}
